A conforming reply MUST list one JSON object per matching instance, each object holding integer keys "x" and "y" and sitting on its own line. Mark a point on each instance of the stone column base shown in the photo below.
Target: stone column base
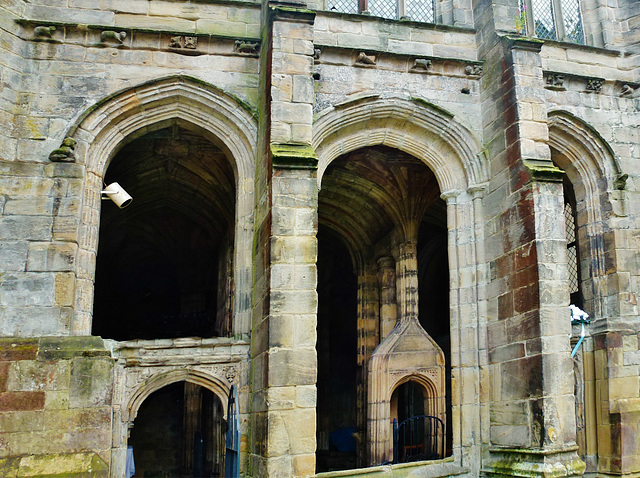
{"x": 518, "y": 462}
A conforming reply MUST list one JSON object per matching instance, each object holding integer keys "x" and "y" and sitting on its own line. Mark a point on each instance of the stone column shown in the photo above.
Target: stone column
{"x": 407, "y": 280}
{"x": 533, "y": 418}
{"x": 368, "y": 339}
{"x": 388, "y": 306}
{"x": 285, "y": 253}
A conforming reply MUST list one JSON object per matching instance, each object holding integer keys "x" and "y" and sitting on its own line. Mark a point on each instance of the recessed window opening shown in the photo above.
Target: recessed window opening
{"x": 573, "y": 259}
{"x": 416, "y": 10}
{"x": 553, "y": 19}
{"x": 164, "y": 264}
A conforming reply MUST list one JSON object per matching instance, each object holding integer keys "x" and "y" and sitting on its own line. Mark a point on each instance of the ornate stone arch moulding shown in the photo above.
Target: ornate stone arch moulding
{"x": 413, "y": 125}
{"x": 222, "y": 118}
{"x": 599, "y": 184}
{"x": 157, "y": 381}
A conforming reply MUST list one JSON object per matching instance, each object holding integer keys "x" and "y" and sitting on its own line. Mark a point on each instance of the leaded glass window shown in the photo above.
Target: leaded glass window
{"x": 551, "y": 20}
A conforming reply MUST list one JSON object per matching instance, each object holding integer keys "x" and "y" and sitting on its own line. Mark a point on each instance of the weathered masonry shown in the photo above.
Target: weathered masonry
{"x": 366, "y": 218}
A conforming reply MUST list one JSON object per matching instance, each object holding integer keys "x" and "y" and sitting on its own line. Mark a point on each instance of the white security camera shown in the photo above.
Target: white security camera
{"x": 118, "y": 195}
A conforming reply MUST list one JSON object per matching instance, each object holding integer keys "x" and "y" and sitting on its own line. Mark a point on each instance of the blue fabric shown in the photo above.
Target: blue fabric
{"x": 130, "y": 467}
{"x": 342, "y": 439}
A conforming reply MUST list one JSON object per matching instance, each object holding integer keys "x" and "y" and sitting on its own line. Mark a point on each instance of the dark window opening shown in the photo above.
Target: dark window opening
{"x": 164, "y": 264}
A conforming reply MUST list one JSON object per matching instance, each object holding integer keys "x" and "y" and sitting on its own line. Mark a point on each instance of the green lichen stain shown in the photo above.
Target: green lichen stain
{"x": 65, "y": 465}
{"x": 293, "y": 156}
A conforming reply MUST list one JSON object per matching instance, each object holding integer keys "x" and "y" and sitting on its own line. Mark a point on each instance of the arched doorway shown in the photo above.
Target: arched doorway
{"x": 179, "y": 432}
{"x": 165, "y": 263}
{"x": 418, "y": 430}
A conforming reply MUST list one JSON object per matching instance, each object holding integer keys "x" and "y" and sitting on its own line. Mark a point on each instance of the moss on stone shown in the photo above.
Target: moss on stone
{"x": 65, "y": 465}
{"x": 293, "y": 156}
{"x": 52, "y": 348}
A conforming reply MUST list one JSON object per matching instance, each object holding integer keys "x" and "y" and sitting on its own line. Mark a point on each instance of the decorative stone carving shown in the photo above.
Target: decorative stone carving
{"x": 43, "y": 32}
{"x": 626, "y": 90}
{"x": 182, "y": 41}
{"x": 110, "y": 36}
{"x": 65, "y": 153}
{"x": 421, "y": 65}
{"x": 230, "y": 373}
{"x": 473, "y": 70}
{"x": 365, "y": 60}
{"x": 246, "y": 47}
{"x": 621, "y": 181}
{"x": 595, "y": 84}
{"x": 555, "y": 81}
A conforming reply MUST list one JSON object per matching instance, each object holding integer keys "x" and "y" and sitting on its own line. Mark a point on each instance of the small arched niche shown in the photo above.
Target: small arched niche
{"x": 164, "y": 266}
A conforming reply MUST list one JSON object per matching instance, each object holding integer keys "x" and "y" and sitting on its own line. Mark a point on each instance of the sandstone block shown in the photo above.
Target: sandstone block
{"x": 46, "y": 256}
{"x": 21, "y": 401}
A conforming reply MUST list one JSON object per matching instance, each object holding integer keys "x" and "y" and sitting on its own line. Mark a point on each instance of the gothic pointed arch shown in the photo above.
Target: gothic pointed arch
{"x": 414, "y": 126}
{"x": 161, "y": 380}
{"x": 191, "y": 104}
{"x": 598, "y": 183}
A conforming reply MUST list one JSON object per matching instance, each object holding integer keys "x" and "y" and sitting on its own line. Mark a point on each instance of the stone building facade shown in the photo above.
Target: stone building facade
{"x": 350, "y": 211}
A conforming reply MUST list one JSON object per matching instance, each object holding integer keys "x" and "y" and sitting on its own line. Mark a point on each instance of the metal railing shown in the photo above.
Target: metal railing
{"x": 418, "y": 438}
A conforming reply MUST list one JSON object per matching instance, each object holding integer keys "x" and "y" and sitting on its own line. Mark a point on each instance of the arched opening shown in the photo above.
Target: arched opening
{"x": 165, "y": 263}
{"x": 382, "y": 250}
{"x": 179, "y": 432}
{"x": 337, "y": 350}
{"x": 418, "y": 431}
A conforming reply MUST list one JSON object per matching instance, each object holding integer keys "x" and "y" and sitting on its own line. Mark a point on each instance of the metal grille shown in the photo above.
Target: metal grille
{"x": 544, "y": 25}
{"x": 384, "y": 8}
{"x": 420, "y": 11}
{"x": 572, "y": 252}
{"x": 345, "y": 6}
{"x": 572, "y": 21}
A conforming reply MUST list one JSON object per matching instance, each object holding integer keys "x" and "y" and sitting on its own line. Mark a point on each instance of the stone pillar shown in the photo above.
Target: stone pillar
{"x": 532, "y": 404}
{"x": 285, "y": 311}
{"x": 388, "y": 306}
{"x": 368, "y": 339}
{"x": 407, "y": 280}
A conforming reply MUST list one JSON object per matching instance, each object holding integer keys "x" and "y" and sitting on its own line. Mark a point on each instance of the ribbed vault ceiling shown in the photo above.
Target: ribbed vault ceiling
{"x": 179, "y": 182}
{"x": 368, "y": 192}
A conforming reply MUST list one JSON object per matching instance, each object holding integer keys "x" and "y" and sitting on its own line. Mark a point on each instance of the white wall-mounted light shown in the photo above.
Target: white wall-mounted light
{"x": 117, "y": 194}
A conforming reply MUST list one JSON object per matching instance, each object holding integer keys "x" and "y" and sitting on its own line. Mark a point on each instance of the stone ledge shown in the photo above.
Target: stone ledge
{"x": 293, "y": 156}
{"x": 532, "y": 463}
{"x": 78, "y": 465}
{"x": 625, "y": 405}
{"x": 426, "y": 469}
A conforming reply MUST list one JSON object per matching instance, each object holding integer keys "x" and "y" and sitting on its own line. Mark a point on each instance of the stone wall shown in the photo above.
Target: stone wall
{"x": 498, "y": 119}
{"x": 55, "y": 399}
